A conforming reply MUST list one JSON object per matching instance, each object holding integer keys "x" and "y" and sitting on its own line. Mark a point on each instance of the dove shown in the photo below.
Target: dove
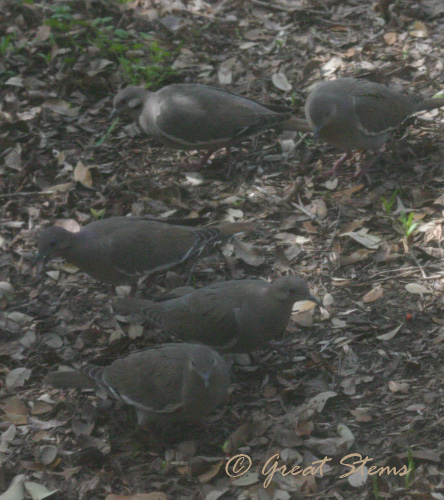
{"x": 170, "y": 382}
{"x": 358, "y": 114}
{"x": 191, "y": 116}
{"x": 121, "y": 250}
{"x": 234, "y": 316}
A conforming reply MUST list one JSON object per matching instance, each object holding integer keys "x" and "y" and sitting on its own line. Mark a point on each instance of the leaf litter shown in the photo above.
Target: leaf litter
{"x": 363, "y": 378}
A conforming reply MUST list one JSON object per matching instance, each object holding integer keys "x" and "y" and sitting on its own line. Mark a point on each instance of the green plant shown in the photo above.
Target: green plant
{"x": 388, "y": 204}
{"x": 61, "y": 19}
{"x": 407, "y": 223}
{"x": 376, "y": 489}
{"x": 97, "y": 214}
{"x": 411, "y": 469}
{"x": 5, "y": 43}
{"x": 152, "y": 75}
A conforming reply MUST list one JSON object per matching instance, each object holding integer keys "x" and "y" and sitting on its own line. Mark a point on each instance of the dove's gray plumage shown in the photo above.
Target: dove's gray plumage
{"x": 358, "y": 114}
{"x": 236, "y": 316}
{"x": 122, "y": 249}
{"x": 170, "y": 382}
{"x": 194, "y": 116}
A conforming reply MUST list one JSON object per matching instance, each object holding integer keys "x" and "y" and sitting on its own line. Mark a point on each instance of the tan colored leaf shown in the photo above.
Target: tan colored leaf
{"x": 390, "y": 37}
{"x": 59, "y": 188}
{"x": 69, "y": 224}
{"x": 361, "y": 416}
{"x": 419, "y": 30}
{"x": 40, "y": 408}
{"x": 354, "y": 257}
{"x": 373, "y": 295}
{"x": 398, "y": 386}
{"x": 82, "y": 174}
{"x": 319, "y": 208}
{"x": 212, "y": 472}
{"x": 237, "y": 438}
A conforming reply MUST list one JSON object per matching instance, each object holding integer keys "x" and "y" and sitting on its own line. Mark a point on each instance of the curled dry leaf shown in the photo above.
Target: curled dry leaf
{"x": 280, "y": 81}
{"x": 250, "y": 254}
{"x": 47, "y": 454}
{"x": 390, "y": 334}
{"x": 38, "y": 491}
{"x": 16, "y": 490}
{"x": 367, "y": 240}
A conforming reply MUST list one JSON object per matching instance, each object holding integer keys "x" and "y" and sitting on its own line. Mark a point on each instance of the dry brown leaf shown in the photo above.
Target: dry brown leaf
{"x": 419, "y": 30}
{"x": 212, "y": 472}
{"x": 399, "y": 386}
{"x": 361, "y": 416}
{"x": 82, "y": 174}
{"x": 40, "y": 407}
{"x": 237, "y": 438}
{"x": 318, "y": 208}
{"x": 15, "y": 410}
{"x": 250, "y": 254}
{"x": 269, "y": 391}
{"x": 357, "y": 256}
{"x": 373, "y": 295}
{"x": 390, "y": 37}
{"x": 304, "y": 428}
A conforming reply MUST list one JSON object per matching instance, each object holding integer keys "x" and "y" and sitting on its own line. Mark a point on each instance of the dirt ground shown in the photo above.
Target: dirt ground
{"x": 363, "y": 375}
